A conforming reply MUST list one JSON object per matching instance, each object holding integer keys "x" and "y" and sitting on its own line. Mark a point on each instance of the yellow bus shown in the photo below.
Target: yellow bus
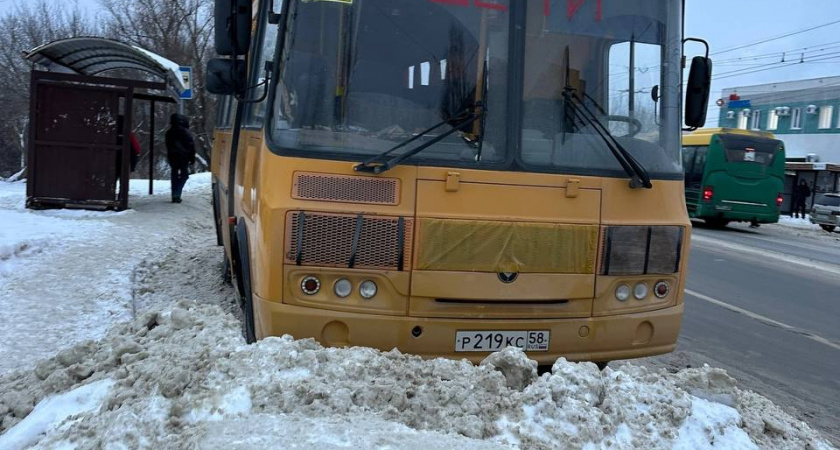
{"x": 452, "y": 177}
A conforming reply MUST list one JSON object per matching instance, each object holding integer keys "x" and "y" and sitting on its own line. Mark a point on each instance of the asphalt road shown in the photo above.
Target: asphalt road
{"x": 765, "y": 305}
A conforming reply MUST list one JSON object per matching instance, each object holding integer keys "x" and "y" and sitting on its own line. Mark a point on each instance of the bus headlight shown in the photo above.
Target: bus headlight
{"x": 640, "y": 291}
{"x": 367, "y": 289}
{"x": 622, "y": 292}
{"x": 342, "y": 287}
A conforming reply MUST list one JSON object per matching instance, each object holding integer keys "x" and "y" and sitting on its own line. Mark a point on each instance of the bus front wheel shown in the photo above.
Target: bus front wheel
{"x": 829, "y": 228}
{"x": 246, "y": 294}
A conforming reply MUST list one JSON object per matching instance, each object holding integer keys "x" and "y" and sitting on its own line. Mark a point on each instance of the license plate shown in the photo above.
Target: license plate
{"x": 491, "y": 341}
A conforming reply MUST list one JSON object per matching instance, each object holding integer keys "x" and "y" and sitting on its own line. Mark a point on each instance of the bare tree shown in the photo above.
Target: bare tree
{"x": 179, "y": 30}
{"x": 26, "y": 26}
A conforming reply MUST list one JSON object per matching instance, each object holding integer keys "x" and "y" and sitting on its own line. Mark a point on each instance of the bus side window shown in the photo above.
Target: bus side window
{"x": 688, "y": 160}
{"x": 698, "y": 166}
{"x": 694, "y": 162}
{"x": 256, "y": 116}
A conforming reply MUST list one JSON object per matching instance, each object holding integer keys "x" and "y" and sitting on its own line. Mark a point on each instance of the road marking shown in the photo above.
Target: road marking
{"x": 738, "y": 248}
{"x": 765, "y": 319}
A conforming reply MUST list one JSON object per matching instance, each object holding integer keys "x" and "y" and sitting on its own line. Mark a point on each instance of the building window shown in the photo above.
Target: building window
{"x": 825, "y": 117}
{"x": 756, "y": 120}
{"x": 796, "y": 119}
{"x": 772, "y": 120}
{"x": 742, "y": 121}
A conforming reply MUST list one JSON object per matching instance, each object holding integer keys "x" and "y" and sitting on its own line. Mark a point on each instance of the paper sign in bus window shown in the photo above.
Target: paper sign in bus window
{"x": 749, "y": 154}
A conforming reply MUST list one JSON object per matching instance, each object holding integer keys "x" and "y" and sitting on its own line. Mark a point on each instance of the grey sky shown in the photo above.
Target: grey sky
{"x": 730, "y": 23}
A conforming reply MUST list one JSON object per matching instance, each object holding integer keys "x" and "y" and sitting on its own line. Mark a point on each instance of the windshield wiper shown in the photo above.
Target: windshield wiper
{"x": 639, "y": 176}
{"x": 468, "y": 116}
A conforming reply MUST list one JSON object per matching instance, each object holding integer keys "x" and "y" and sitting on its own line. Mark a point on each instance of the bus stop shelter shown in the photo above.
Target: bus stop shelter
{"x": 80, "y": 119}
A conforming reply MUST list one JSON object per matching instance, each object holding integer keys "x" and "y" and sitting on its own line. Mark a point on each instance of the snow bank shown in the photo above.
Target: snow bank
{"x": 184, "y": 379}
{"x": 792, "y": 222}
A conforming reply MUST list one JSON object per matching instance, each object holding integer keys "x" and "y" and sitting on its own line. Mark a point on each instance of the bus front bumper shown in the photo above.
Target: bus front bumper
{"x": 585, "y": 339}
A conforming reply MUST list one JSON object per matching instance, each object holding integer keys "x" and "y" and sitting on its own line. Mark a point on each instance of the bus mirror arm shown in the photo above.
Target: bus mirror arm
{"x": 264, "y": 83}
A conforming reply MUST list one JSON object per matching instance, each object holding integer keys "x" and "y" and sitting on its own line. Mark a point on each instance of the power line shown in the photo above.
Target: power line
{"x": 805, "y": 30}
{"x": 772, "y": 66}
{"x": 813, "y": 48}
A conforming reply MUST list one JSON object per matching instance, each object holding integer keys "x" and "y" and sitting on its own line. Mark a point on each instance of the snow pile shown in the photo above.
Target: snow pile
{"x": 792, "y": 222}
{"x": 53, "y": 411}
{"x": 183, "y": 378}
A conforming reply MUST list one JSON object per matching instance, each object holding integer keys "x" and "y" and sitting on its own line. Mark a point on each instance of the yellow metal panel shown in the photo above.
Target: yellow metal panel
{"x": 486, "y": 246}
{"x": 662, "y": 205}
{"x": 500, "y": 202}
{"x": 486, "y": 286}
{"x": 594, "y": 339}
{"x": 506, "y": 177}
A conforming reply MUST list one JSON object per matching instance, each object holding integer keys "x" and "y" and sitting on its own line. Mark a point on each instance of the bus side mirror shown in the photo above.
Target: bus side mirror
{"x": 697, "y": 91}
{"x": 233, "y": 26}
{"x": 225, "y": 76}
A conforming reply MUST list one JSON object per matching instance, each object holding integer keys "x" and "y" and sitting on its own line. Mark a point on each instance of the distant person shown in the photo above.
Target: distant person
{"x": 800, "y": 198}
{"x": 180, "y": 148}
{"x": 135, "y": 150}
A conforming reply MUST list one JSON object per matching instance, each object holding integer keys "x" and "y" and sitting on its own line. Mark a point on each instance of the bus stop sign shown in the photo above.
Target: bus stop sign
{"x": 186, "y": 76}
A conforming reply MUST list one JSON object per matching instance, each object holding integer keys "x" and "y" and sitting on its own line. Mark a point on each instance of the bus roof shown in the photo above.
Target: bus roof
{"x": 703, "y": 136}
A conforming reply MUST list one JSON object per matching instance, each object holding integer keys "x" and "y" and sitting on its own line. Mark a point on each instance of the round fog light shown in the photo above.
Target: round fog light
{"x": 640, "y": 291}
{"x": 343, "y": 287}
{"x": 622, "y": 292}
{"x": 310, "y": 285}
{"x": 661, "y": 289}
{"x": 367, "y": 289}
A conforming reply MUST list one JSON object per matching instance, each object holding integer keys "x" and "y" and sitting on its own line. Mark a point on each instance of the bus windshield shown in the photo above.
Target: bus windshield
{"x": 359, "y": 77}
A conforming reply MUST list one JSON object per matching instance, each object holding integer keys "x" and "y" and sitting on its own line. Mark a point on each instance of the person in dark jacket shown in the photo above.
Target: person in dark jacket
{"x": 800, "y": 198}
{"x": 180, "y": 148}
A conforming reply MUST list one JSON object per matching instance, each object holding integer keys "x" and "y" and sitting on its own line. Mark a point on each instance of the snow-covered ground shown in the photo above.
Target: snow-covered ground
{"x": 67, "y": 274}
{"x": 119, "y": 334}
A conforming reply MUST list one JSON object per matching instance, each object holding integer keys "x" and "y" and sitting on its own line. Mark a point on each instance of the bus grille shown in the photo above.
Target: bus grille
{"x": 348, "y": 241}
{"x": 346, "y": 189}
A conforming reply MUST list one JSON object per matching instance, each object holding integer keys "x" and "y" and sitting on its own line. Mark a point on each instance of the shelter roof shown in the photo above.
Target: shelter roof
{"x": 96, "y": 55}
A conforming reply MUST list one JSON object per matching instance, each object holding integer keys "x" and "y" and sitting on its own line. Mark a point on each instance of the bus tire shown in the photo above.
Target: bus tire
{"x": 235, "y": 262}
{"x": 601, "y": 365}
{"x": 717, "y": 223}
{"x": 247, "y": 298}
{"x": 829, "y": 228}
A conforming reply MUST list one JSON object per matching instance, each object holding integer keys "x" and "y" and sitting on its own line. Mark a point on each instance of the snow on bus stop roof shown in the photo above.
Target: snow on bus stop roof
{"x": 95, "y": 55}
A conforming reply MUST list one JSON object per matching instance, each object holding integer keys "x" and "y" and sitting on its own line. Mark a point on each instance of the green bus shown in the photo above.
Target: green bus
{"x": 733, "y": 175}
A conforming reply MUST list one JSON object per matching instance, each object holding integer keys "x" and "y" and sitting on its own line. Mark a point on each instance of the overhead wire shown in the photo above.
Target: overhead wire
{"x": 775, "y": 38}
{"x": 774, "y": 66}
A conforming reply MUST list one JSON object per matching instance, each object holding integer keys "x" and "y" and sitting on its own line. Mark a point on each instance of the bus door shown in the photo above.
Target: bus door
{"x": 694, "y": 163}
